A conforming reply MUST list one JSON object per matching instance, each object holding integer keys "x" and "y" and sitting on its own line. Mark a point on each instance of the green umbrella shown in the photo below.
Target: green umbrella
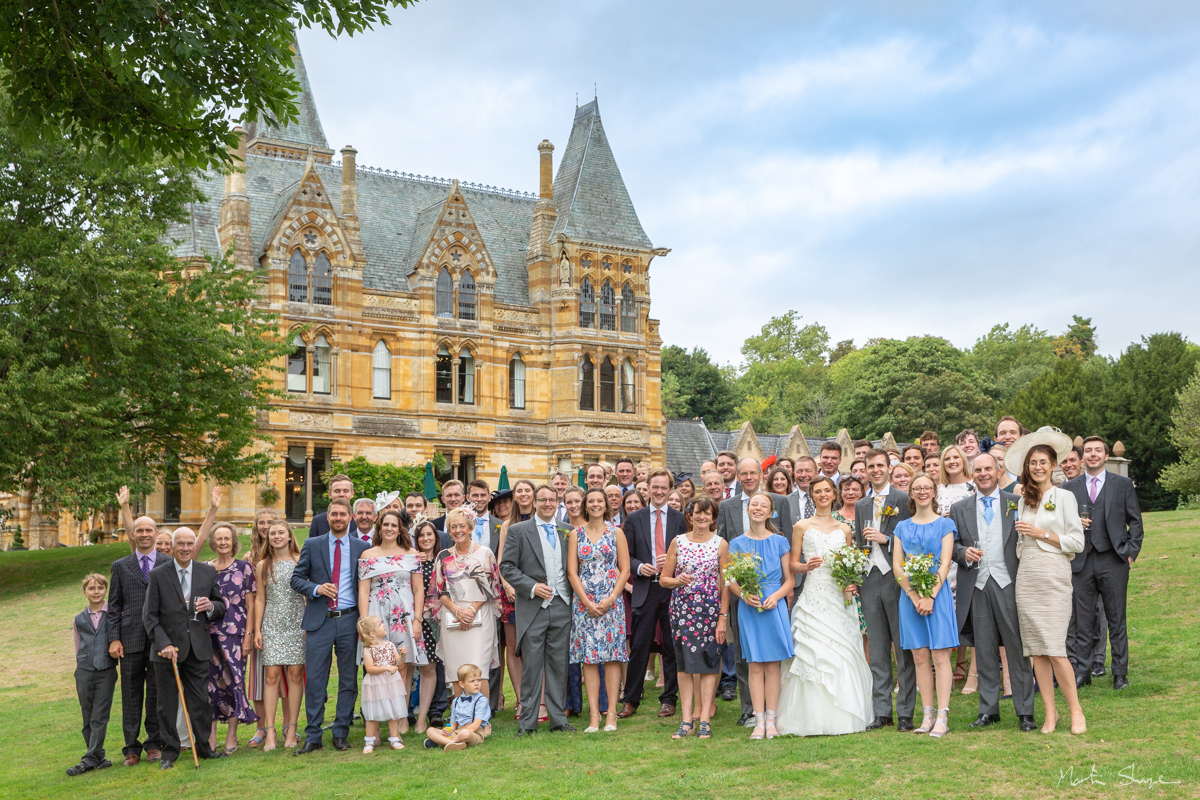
{"x": 503, "y": 485}
{"x": 430, "y": 488}
{"x": 580, "y": 479}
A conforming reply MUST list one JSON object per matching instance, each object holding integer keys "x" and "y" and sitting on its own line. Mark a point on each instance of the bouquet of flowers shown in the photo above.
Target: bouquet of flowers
{"x": 745, "y": 569}
{"x": 921, "y": 571}
{"x": 849, "y": 567}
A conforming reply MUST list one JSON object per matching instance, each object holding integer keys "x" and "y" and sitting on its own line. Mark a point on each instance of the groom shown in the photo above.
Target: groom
{"x": 875, "y": 519}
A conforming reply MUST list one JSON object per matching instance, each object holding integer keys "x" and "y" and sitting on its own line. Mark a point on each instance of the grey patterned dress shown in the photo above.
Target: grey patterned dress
{"x": 283, "y": 638}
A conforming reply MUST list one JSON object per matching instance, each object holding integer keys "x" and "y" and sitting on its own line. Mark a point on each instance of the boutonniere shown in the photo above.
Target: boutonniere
{"x": 1012, "y": 505}
{"x": 889, "y": 511}
{"x": 1049, "y": 506}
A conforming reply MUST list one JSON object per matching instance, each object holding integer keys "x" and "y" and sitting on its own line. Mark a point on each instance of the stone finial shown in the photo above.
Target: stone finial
{"x": 797, "y": 446}
{"x": 546, "y": 171}
{"x": 1118, "y": 449}
{"x": 745, "y": 443}
{"x": 889, "y": 442}
{"x": 843, "y": 438}
{"x": 349, "y": 182}
{"x": 1078, "y": 441}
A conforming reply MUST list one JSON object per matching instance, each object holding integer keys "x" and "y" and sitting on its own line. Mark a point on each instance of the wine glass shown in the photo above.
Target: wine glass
{"x": 1085, "y": 515}
{"x": 195, "y": 611}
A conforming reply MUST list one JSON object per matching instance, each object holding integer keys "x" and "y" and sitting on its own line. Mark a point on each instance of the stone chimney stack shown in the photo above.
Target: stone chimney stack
{"x": 546, "y": 183}
{"x": 349, "y": 183}
{"x": 538, "y": 259}
{"x": 235, "y": 208}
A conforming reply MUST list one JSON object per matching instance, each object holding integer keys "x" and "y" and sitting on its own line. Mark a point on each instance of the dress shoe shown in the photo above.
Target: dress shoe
{"x": 166, "y": 763}
{"x": 984, "y": 720}
{"x": 79, "y": 769}
{"x": 564, "y": 728}
{"x": 667, "y": 710}
{"x": 523, "y": 732}
{"x": 1120, "y": 682}
{"x": 1083, "y": 680}
{"x": 904, "y": 724}
{"x": 1098, "y": 670}
{"x": 729, "y": 694}
{"x": 208, "y": 754}
{"x": 340, "y": 743}
{"x": 153, "y": 755}
{"x": 1027, "y": 723}
{"x": 744, "y": 718}
{"x": 104, "y": 764}
{"x": 627, "y": 711}
{"x": 308, "y": 747}
{"x": 435, "y": 720}
{"x": 878, "y": 722}
{"x": 132, "y": 760}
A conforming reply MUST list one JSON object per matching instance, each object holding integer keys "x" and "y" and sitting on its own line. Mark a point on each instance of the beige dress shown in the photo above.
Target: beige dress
{"x": 469, "y": 578}
{"x": 1043, "y": 585}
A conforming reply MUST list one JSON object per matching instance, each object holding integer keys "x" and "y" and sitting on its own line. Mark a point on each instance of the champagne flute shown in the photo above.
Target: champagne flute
{"x": 1085, "y": 515}
{"x": 195, "y": 611}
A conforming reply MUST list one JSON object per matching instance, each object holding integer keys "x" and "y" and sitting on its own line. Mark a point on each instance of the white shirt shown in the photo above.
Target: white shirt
{"x": 731, "y": 488}
{"x": 653, "y": 520}
{"x": 481, "y": 534}
{"x": 835, "y": 477}
{"x": 878, "y": 558}
{"x": 745, "y": 512}
{"x": 184, "y": 576}
{"x": 887, "y": 487}
{"x": 1099, "y": 482}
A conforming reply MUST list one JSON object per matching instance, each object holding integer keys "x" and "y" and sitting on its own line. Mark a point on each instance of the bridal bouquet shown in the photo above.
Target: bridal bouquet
{"x": 745, "y": 569}
{"x": 921, "y": 571}
{"x": 849, "y": 567}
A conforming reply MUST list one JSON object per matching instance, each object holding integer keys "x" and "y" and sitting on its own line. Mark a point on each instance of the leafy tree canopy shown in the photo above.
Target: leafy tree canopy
{"x": 1183, "y": 477}
{"x": 700, "y": 382}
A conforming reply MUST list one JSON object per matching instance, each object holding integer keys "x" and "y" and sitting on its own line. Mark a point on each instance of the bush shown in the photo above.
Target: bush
{"x": 371, "y": 479}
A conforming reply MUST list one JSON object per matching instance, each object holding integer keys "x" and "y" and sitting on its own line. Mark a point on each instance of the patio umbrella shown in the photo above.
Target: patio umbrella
{"x": 500, "y": 487}
{"x": 580, "y": 480}
{"x": 430, "y": 487}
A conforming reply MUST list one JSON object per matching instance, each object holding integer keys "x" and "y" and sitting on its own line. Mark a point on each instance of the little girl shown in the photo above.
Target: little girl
{"x": 383, "y": 695}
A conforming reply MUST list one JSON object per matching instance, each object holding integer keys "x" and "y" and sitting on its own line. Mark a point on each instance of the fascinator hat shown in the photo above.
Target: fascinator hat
{"x": 384, "y": 499}
{"x": 1059, "y": 442}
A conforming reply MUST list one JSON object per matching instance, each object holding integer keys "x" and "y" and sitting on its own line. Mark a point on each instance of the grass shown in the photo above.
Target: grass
{"x": 1149, "y": 728}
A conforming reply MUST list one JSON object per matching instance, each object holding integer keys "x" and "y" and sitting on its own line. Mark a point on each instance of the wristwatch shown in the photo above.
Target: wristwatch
{"x": 1047, "y": 536}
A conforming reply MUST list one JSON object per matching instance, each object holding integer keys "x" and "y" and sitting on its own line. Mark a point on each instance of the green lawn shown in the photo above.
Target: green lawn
{"x": 1147, "y": 731}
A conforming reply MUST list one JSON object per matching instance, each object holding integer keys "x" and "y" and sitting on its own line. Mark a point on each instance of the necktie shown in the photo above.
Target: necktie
{"x": 480, "y": 527}
{"x": 879, "y": 507}
{"x": 185, "y": 586}
{"x": 728, "y": 492}
{"x": 337, "y": 573}
{"x": 660, "y": 545}
{"x": 550, "y": 536}
{"x": 146, "y": 567}
{"x": 809, "y": 508}
{"x": 1095, "y": 489}
{"x": 988, "y": 513}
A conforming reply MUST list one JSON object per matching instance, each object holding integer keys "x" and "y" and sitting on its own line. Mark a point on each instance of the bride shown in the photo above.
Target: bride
{"x": 827, "y": 685}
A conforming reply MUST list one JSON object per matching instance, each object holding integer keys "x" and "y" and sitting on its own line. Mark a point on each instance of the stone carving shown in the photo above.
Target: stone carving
{"x": 600, "y": 435}
{"x": 449, "y": 427}
{"x": 564, "y": 271}
{"x": 305, "y": 419}
{"x": 509, "y": 315}
{"x": 388, "y": 301}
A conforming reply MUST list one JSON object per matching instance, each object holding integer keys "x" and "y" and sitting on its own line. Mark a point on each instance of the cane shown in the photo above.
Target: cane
{"x": 186, "y": 717}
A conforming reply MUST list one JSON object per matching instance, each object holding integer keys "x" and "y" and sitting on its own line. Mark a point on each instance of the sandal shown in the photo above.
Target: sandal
{"x": 396, "y": 743}
{"x": 269, "y": 747}
{"x": 258, "y": 738}
{"x": 759, "y": 731}
{"x": 943, "y": 724}
{"x": 543, "y": 713}
{"x": 927, "y": 719}
{"x": 705, "y": 730}
{"x": 368, "y": 745}
{"x": 684, "y": 729}
{"x": 287, "y": 746}
{"x": 771, "y": 731}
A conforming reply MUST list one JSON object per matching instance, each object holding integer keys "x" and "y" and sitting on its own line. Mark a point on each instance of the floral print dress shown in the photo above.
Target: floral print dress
{"x": 227, "y": 668}
{"x": 391, "y": 599}
{"x": 598, "y": 640}
{"x": 695, "y": 607}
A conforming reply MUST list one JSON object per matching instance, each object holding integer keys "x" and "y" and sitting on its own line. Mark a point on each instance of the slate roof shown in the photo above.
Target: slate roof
{"x": 589, "y": 193}
{"x": 689, "y": 443}
{"x": 307, "y": 129}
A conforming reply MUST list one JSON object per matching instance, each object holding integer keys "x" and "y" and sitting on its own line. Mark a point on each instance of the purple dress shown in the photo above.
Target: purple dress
{"x": 598, "y": 640}
{"x": 227, "y": 669}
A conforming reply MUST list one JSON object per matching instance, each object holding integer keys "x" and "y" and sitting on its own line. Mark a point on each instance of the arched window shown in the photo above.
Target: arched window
{"x": 608, "y": 385}
{"x": 381, "y": 372}
{"x": 445, "y": 294}
{"x": 466, "y": 378}
{"x": 297, "y": 369}
{"x": 608, "y": 308}
{"x": 297, "y": 278}
{"x": 587, "y": 305}
{"x": 445, "y": 377}
{"x": 322, "y": 367}
{"x": 466, "y": 296}
{"x": 516, "y": 382}
{"x": 322, "y": 280}
{"x": 587, "y": 385}
{"x": 628, "y": 403}
{"x": 628, "y": 310}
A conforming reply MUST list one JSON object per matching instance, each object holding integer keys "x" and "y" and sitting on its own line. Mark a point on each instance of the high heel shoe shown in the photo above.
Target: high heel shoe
{"x": 287, "y": 746}
{"x": 268, "y": 748}
{"x": 972, "y": 684}
{"x": 760, "y": 730}
{"x": 772, "y": 731}
{"x": 1081, "y": 728}
{"x": 943, "y": 724}
{"x": 1051, "y": 722}
{"x": 610, "y": 723}
{"x": 927, "y": 719}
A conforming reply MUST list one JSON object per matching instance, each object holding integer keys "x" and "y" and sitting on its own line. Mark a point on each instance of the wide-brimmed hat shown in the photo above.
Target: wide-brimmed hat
{"x": 1059, "y": 442}
{"x": 384, "y": 499}
{"x": 497, "y": 497}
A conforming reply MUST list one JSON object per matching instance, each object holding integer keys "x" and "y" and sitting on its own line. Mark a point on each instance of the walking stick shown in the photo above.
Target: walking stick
{"x": 186, "y": 717}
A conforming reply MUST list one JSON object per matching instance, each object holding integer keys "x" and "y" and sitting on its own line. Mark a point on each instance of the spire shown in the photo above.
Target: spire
{"x": 589, "y": 193}
{"x": 268, "y": 137}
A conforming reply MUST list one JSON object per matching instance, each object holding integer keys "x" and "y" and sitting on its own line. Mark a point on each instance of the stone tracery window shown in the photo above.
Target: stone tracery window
{"x": 587, "y": 305}
{"x": 608, "y": 308}
{"x": 628, "y": 310}
{"x": 587, "y": 385}
{"x": 444, "y": 294}
{"x": 466, "y": 296}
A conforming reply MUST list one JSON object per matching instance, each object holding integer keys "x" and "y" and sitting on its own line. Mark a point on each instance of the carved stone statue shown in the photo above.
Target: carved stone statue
{"x": 564, "y": 271}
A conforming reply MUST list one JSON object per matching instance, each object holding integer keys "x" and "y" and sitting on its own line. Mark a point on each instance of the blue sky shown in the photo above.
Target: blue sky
{"x": 886, "y": 169}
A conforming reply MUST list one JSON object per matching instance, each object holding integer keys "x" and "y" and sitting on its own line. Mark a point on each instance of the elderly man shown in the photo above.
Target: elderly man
{"x": 182, "y": 598}
{"x": 364, "y": 518}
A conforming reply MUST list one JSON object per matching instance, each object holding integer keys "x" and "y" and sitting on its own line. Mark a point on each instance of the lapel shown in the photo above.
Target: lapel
{"x": 537, "y": 545}
{"x": 889, "y": 522}
{"x": 1007, "y": 518}
{"x": 972, "y": 518}
{"x": 173, "y": 574}
{"x": 1108, "y": 495}
{"x": 321, "y": 543}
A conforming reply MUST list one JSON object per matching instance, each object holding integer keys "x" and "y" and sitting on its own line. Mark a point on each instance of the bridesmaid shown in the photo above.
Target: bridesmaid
{"x": 693, "y": 571}
{"x": 425, "y": 536}
{"x": 391, "y": 587}
{"x": 928, "y": 625}
{"x": 764, "y": 630}
{"x": 1051, "y": 533}
{"x": 278, "y": 635}
{"x": 231, "y": 636}
{"x": 954, "y": 485}
{"x": 598, "y": 567}
{"x": 256, "y": 673}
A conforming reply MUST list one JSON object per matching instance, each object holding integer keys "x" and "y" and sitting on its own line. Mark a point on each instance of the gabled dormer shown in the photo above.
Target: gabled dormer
{"x": 454, "y": 260}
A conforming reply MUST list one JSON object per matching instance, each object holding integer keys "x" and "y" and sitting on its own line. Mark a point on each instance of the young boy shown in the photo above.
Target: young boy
{"x": 469, "y": 715}
{"x": 95, "y": 673}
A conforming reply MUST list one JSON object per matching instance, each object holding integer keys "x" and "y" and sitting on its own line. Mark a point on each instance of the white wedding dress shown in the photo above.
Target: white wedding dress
{"x": 827, "y": 685}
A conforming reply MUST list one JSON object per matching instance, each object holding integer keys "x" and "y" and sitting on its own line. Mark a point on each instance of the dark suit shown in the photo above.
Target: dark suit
{"x": 880, "y": 598}
{"x": 95, "y": 679}
{"x": 320, "y": 525}
{"x": 126, "y": 596}
{"x": 167, "y": 617}
{"x": 328, "y": 631}
{"x": 1114, "y": 537}
{"x": 651, "y": 604}
{"x": 992, "y": 609}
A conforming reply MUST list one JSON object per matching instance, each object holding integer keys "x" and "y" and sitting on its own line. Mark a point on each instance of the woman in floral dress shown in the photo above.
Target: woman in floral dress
{"x": 598, "y": 567}
{"x": 467, "y": 583}
{"x": 232, "y": 637}
{"x": 693, "y": 571}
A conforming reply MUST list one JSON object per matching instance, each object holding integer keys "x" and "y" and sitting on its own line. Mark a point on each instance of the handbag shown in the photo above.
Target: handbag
{"x": 452, "y": 623}
{"x": 712, "y": 653}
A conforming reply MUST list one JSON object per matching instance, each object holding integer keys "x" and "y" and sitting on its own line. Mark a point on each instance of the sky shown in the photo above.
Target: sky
{"x": 885, "y": 169}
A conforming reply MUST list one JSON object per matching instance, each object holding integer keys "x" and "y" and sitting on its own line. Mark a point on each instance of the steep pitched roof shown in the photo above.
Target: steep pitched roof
{"x": 306, "y": 130}
{"x": 589, "y": 193}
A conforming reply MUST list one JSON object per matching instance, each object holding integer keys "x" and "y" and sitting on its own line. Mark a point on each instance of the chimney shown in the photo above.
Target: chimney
{"x": 234, "y": 225}
{"x": 235, "y": 178}
{"x": 349, "y": 183}
{"x": 546, "y": 184}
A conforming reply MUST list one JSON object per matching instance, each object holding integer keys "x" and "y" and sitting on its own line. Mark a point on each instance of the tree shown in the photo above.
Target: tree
{"x": 1079, "y": 339}
{"x": 1183, "y": 477}
{"x": 701, "y": 382}
{"x": 783, "y": 380}
{"x": 947, "y": 403}
{"x": 782, "y": 339}
{"x": 137, "y": 81}
{"x": 1136, "y": 407}
{"x": 1063, "y": 396}
{"x": 674, "y": 402}
{"x": 1012, "y": 359}
{"x": 114, "y": 367}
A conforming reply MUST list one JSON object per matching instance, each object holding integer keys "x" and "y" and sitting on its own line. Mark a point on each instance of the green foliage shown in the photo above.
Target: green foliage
{"x": 1136, "y": 408}
{"x": 112, "y": 364}
{"x": 370, "y": 479}
{"x": 1079, "y": 340}
{"x": 701, "y": 383}
{"x": 1012, "y": 359}
{"x": 1183, "y": 477}
{"x": 18, "y": 541}
{"x": 1063, "y": 396}
{"x": 783, "y": 380}
{"x": 139, "y": 81}
{"x": 947, "y": 404}
{"x": 674, "y": 402}
{"x": 782, "y": 339}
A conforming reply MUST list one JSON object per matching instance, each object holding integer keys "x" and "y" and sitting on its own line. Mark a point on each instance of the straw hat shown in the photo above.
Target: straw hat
{"x": 1059, "y": 442}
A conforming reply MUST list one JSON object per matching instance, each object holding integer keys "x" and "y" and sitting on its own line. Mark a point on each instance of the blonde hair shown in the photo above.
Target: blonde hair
{"x": 366, "y": 631}
{"x": 943, "y": 477}
{"x": 453, "y": 514}
{"x": 93, "y": 576}
{"x": 468, "y": 671}
{"x": 259, "y": 544}
{"x": 212, "y": 538}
